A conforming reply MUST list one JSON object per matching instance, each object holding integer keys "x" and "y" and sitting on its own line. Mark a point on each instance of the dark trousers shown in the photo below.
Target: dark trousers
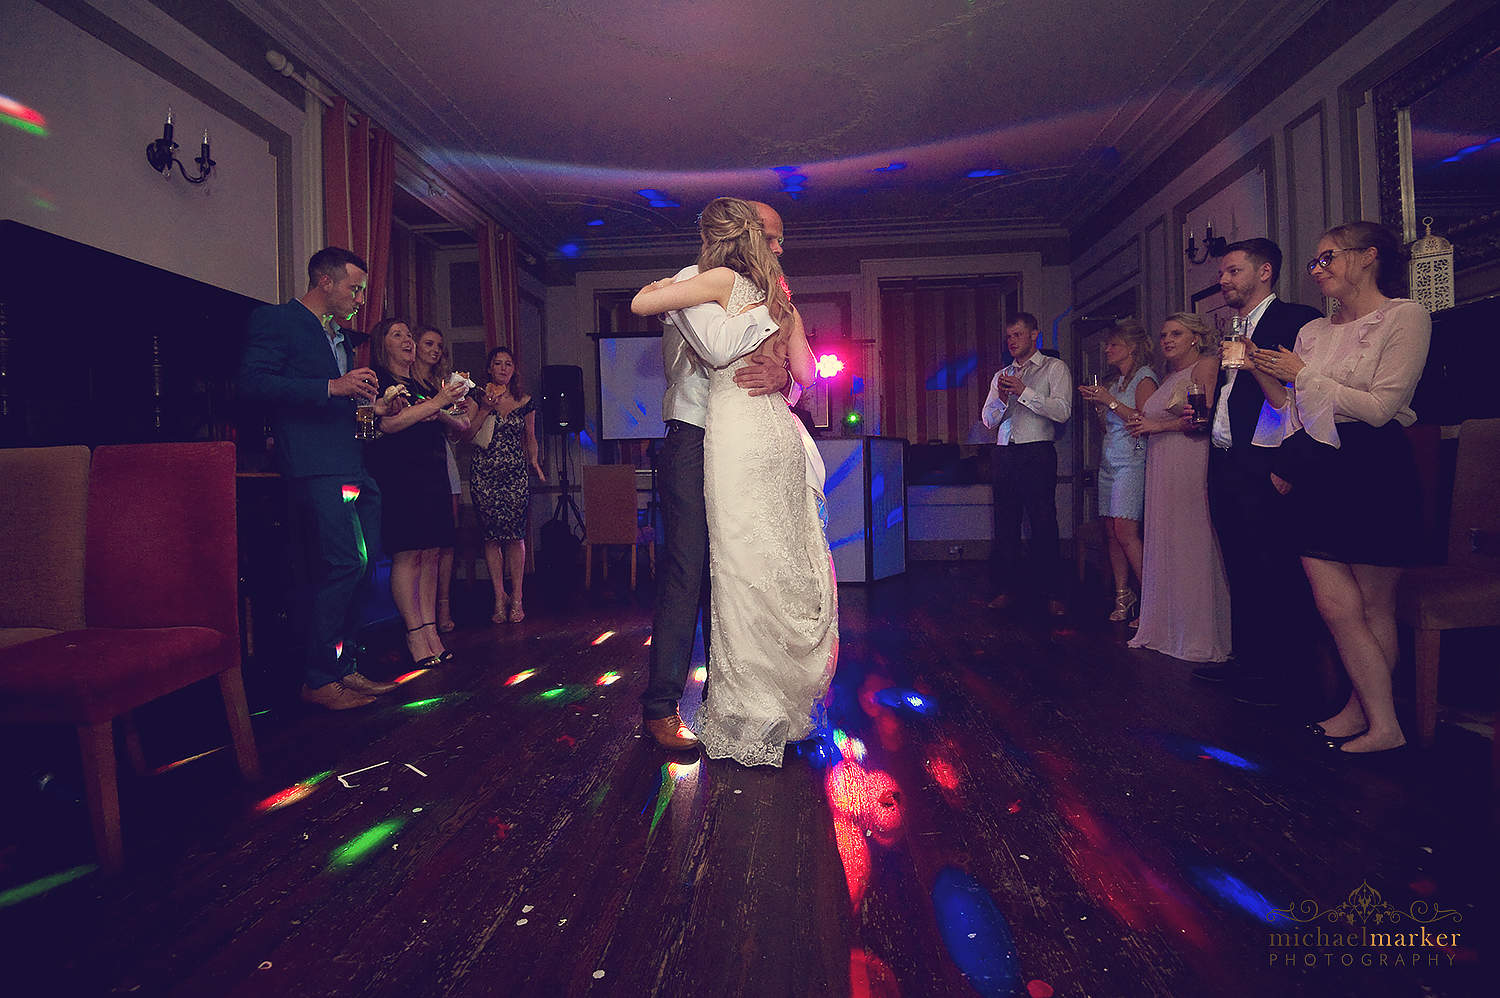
{"x": 682, "y": 569}
{"x": 1024, "y": 477}
{"x": 1270, "y": 603}
{"x": 343, "y": 535}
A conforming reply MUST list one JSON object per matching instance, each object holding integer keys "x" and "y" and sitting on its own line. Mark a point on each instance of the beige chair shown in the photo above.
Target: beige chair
{"x": 609, "y": 516}
{"x": 1465, "y": 592}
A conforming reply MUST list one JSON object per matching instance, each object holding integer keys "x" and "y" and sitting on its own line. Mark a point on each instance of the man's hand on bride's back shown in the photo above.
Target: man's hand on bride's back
{"x": 762, "y": 375}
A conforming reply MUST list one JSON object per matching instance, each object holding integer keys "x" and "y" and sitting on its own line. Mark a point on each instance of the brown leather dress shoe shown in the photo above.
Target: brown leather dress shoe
{"x": 365, "y": 685}
{"x": 335, "y": 696}
{"x": 671, "y": 733}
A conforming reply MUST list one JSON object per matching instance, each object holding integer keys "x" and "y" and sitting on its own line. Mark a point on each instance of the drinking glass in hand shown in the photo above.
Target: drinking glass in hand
{"x": 1232, "y": 350}
{"x": 1198, "y": 399}
{"x": 364, "y": 423}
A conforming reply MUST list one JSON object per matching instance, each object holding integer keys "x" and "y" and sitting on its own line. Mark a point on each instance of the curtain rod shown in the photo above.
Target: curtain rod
{"x": 284, "y": 66}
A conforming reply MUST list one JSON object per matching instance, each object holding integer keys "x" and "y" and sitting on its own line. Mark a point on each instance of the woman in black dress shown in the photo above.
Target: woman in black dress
{"x": 504, "y": 447}
{"x": 409, "y": 464}
{"x": 1343, "y": 398}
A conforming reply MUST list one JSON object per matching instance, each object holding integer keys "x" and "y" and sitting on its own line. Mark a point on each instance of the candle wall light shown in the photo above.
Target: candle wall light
{"x": 161, "y": 154}
{"x": 1213, "y": 245}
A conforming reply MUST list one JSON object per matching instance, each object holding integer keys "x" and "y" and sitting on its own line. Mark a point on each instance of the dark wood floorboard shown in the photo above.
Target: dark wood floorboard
{"x": 1008, "y": 807}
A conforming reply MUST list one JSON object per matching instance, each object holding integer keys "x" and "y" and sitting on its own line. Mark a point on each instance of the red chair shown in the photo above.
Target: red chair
{"x": 160, "y": 601}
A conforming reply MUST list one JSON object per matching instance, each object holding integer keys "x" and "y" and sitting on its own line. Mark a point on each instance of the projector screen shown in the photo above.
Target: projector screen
{"x": 631, "y": 385}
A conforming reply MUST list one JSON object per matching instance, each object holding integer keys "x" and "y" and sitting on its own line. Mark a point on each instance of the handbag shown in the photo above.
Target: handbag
{"x": 486, "y": 431}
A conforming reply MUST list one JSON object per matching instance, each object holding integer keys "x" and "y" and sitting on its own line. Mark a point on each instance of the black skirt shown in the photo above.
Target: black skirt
{"x": 1358, "y": 503}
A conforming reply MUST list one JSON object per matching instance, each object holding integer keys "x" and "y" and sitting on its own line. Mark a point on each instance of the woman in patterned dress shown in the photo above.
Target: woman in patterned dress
{"x": 504, "y": 447}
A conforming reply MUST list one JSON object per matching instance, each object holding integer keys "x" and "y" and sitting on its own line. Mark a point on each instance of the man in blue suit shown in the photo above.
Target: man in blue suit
{"x": 299, "y": 362}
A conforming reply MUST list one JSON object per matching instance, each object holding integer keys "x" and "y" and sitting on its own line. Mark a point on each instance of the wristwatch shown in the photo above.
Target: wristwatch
{"x": 1113, "y": 405}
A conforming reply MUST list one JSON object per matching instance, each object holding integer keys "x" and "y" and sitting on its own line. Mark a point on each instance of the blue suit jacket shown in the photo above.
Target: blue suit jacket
{"x": 287, "y": 365}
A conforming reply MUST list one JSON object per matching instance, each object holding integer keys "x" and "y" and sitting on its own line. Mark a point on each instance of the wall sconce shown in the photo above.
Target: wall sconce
{"x": 1212, "y": 246}
{"x": 160, "y": 154}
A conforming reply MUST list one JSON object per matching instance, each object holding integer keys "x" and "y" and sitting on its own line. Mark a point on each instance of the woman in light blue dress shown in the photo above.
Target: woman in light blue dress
{"x": 1126, "y": 385}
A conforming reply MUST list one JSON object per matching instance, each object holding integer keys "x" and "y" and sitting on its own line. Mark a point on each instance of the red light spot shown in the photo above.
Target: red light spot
{"x": 1039, "y": 989}
{"x": 568, "y": 739}
{"x": 1424, "y": 887}
{"x": 501, "y": 828}
{"x": 869, "y": 977}
{"x": 1015, "y": 807}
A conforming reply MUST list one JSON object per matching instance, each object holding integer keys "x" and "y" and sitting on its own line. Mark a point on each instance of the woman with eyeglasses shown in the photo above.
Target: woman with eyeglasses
{"x": 1342, "y": 399}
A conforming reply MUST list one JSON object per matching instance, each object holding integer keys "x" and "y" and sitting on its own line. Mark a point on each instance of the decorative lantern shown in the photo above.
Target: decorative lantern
{"x": 1432, "y": 270}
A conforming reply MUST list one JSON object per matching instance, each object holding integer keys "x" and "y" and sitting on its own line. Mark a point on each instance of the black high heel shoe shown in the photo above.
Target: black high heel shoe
{"x": 1333, "y": 741}
{"x": 430, "y": 661}
{"x": 443, "y": 656}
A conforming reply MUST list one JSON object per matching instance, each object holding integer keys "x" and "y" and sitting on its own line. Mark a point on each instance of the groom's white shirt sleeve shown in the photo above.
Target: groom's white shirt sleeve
{"x": 714, "y": 334}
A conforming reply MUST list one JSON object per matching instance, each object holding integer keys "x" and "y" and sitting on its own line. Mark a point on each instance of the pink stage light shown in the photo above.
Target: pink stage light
{"x": 829, "y": 365}
{"x": 603, "y": 638}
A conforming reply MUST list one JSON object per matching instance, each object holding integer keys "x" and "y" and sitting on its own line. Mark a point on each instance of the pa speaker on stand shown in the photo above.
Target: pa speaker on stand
{"x": 562, "y": 398}
{"x": 562, "y": 419}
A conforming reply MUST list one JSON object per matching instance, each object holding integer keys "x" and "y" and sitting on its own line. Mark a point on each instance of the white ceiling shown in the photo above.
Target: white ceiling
{"x": 555, "y": 114}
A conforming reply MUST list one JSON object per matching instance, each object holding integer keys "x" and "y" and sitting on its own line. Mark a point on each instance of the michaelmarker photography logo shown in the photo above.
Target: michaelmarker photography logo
{"x": 1364, "y": 931}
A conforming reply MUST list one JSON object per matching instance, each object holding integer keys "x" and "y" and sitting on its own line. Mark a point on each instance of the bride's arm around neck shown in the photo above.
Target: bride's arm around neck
{"x": 666, "y": 295}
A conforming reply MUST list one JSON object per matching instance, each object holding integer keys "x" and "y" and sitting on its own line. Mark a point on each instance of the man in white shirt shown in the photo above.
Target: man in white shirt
{"x": 693, "y": 340}
{"x": 1265, "y": 581}
{"x": 1028, "y": 400}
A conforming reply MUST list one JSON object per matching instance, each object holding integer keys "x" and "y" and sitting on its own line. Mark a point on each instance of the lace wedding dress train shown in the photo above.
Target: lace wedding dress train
{"x": 774, "y": 604}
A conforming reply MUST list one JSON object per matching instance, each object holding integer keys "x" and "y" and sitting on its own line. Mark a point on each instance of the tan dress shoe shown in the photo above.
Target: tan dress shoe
{"x": 335, "y": 696}
{"x": 671, "y": 733}
{"x": 365, "y": 685}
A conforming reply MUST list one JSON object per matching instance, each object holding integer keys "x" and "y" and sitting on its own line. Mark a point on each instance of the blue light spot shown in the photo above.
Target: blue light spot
{"x": 658, "y": 199}
{"x": 858, "y": 535}
{"x": 783, "y": 169}
{"x": 895, "y": 516}
{"x": 1229, "y": 758}
{"x": 987, "y": 173}
{"x": 640, "y": 407}
{"x": 891, "y": 168}
{"x": 585, "y": 439}
{"x": 1471, "y": 150}
{"x": 905, "y": 700}
{"x": 954, "y": 373}
{"x": 1232, "y": 890}
{"x": 840, "y": 473}
{"x": 596, "y": 221}
{"x": 570, "y": 250}
{"x": 856, "y": 385}
{"x": 877, "y": 487}
{"x": 976, "y": 934}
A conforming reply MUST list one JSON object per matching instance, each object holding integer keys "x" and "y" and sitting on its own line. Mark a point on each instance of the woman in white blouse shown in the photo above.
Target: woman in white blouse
{"x": 1347, "y": 388}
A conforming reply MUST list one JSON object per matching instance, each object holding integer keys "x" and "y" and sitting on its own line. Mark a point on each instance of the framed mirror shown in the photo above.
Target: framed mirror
{"x": 1437, "y": 127}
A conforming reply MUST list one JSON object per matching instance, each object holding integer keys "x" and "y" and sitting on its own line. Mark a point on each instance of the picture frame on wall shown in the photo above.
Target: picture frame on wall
{"x": 1210, "y": 304}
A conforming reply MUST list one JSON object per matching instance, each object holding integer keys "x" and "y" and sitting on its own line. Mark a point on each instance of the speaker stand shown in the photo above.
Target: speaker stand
{"x": 565, "y": 507}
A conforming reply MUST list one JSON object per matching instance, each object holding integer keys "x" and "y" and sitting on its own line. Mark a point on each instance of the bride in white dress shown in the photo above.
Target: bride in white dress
{"x": 774, "y": 603}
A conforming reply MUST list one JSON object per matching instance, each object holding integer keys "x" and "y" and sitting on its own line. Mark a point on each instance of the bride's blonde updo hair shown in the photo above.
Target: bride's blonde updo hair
{"x": 735, "y": 237}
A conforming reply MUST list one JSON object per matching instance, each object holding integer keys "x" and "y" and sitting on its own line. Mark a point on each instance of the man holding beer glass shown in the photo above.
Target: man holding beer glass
{"x": 1265, "y": 582}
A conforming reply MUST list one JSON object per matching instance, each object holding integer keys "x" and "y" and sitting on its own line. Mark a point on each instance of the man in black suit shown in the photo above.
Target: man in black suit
{"x": 1270, "y": 604}
{"x": 299, "y": 361}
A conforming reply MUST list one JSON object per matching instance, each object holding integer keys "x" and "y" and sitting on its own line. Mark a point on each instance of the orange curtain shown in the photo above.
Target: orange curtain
{"x": 498, "y": 285}
{"x": 359, "y": 183}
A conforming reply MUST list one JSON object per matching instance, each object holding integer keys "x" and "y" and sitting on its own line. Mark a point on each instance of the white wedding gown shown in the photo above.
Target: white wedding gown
{"x": 774, "y": 602}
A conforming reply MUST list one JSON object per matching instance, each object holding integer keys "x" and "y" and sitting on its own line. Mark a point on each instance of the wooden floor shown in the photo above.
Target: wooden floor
{"x": 1000, "y": 808}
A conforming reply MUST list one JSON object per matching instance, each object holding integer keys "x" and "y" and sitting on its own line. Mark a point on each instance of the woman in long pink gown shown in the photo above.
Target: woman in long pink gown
{"x": 1184, "y": 594}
